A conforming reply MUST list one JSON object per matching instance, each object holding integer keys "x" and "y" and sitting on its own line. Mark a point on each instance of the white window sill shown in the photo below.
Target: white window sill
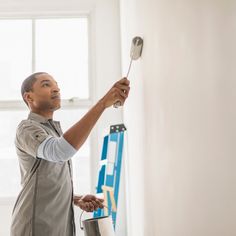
{"x": 65, "y": 104}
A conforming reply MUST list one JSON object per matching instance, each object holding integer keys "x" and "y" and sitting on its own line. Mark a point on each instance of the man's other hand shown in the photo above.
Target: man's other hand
{"x": 88, "y": 202}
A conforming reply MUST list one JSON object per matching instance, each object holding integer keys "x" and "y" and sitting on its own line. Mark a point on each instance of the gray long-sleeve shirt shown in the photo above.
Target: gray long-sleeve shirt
{"x": 45, "y": 204}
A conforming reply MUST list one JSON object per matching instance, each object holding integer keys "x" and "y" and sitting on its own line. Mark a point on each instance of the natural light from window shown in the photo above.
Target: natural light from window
{"x": 58, "y": 46}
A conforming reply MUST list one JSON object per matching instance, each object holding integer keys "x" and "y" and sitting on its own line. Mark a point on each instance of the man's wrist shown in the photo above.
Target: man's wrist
{"x": 101, "y": 104}
{"x": 77, "y": 197}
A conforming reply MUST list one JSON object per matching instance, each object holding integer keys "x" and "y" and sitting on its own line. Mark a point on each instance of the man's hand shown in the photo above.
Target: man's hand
{"x": 118, "y": 93}
{"x": 88, "y": 202}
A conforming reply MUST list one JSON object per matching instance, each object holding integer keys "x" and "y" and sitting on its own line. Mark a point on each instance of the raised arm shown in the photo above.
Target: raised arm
{"x": 78, "y": 133}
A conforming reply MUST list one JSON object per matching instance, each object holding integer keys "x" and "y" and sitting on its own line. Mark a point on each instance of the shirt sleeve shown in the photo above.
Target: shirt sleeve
{"x": 55, "y": 149}
{"x": 29, "y": 136}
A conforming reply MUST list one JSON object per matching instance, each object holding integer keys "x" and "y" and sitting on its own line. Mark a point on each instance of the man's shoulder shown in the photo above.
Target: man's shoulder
{"x": 27, "y": 124}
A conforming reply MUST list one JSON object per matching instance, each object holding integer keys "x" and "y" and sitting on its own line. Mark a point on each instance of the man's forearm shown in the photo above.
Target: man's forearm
{"x": 79, "y": 132}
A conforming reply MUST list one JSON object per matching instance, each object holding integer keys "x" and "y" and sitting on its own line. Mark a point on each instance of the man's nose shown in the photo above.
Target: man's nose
{"x": 56, "y": 89}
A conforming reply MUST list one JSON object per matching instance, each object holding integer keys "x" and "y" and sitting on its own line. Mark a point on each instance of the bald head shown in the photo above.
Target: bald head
{"x": 28, "y": 83}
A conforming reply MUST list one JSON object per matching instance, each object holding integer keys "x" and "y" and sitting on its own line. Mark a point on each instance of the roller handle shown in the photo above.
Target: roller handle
{"x": 118, "y": 104}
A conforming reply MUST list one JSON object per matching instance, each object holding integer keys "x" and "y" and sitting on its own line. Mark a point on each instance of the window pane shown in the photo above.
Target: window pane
{"x": 62, "y": 51}
{"x": 9, "y": 167}
{"x": 15, "y": 56}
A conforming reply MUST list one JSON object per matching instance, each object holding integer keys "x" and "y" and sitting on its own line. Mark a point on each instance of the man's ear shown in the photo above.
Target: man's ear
{"x": 28, "y": 98}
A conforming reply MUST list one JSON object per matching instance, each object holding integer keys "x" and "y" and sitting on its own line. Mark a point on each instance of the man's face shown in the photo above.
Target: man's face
{"x": 45, "y": 94}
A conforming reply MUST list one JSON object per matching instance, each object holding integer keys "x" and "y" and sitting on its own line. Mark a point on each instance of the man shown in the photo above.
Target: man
{"x": 44, "y": 206}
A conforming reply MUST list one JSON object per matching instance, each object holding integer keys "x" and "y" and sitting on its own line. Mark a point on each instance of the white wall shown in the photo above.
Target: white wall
{"x": 105, "y": 65}
{"x": 181, "y": 117}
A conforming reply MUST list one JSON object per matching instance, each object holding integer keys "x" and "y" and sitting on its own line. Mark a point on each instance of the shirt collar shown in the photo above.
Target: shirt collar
{"x": 37, "y": 117}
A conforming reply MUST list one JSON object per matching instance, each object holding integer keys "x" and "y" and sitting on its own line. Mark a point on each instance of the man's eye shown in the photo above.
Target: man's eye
{"x": 45, "y": 85}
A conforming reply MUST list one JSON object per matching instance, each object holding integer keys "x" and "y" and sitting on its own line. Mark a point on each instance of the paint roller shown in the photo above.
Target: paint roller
{"x": 135, "y": 54}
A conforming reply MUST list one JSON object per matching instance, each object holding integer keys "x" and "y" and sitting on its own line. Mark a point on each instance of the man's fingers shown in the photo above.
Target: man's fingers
{"x": 123, "y": 81}
{"x": 89, "y": 207}
{"x": 124, "y": 93}
{"x": 122, "y": 86}
{"x": 99, "y": 202}
{"x": 120, "y": 94}
{"x": 123, "y": 90}
{"x": 95, "y": 205}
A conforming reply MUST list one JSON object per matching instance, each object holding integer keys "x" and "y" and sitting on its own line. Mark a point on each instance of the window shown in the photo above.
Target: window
{"x": 58, "y": 46}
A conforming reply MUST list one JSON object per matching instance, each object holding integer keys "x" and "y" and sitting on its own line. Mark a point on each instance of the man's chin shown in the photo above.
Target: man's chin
{"x": 56, "y": 107}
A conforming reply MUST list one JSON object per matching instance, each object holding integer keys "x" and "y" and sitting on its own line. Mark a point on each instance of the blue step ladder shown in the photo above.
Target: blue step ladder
{"x": 110, "y": 171}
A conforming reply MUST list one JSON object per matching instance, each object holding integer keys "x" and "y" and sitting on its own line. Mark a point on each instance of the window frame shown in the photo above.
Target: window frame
{"x": 72, "y": 103}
